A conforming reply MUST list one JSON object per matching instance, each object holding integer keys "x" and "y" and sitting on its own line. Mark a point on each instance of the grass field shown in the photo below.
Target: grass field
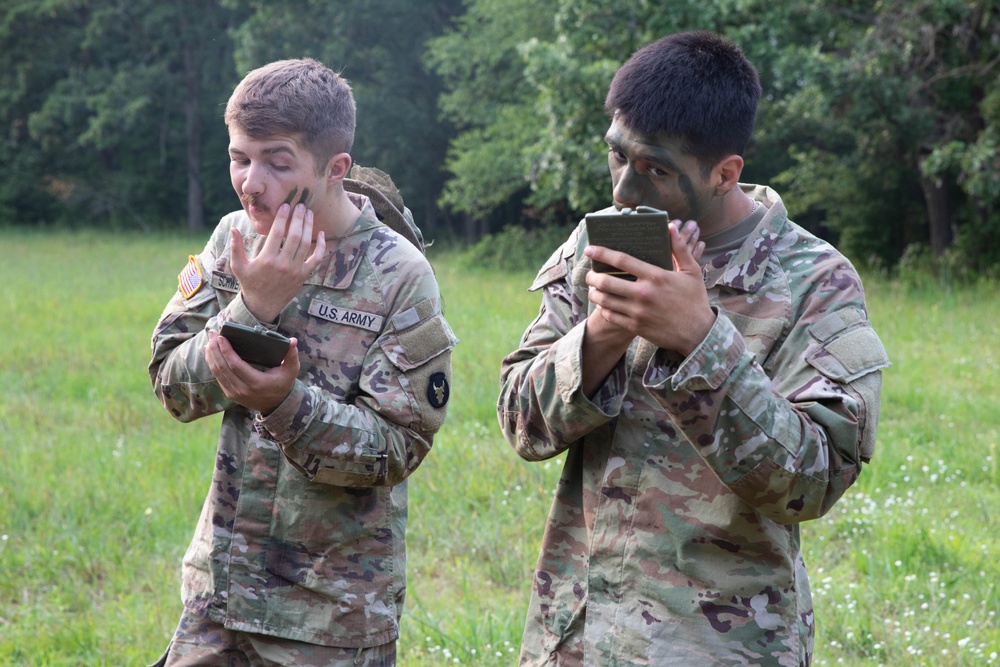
{"x": 100, "y": 488}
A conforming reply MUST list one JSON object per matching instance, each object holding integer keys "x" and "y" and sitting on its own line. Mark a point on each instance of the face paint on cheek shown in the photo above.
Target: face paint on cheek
{"x": 291, "y": 195}
{"x": 691, "y": 196}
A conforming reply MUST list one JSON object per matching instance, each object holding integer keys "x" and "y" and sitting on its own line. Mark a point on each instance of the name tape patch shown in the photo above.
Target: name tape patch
{"x": 225, "y": 282}
{"x": 354, "y": 318}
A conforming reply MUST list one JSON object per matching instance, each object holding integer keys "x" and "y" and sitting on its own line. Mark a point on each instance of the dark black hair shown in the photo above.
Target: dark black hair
{"x": 694, "y": 86}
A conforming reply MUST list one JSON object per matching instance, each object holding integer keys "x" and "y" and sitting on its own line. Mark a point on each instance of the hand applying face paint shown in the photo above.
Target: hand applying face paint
{"x": 272, "y": 278}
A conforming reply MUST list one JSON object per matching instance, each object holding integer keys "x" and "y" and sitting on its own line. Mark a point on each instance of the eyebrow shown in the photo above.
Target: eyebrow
{"x": 663, "y": 160}
{"x": 266, "y": 151}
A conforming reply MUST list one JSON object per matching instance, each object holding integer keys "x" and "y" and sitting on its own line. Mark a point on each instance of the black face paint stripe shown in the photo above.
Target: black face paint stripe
{"x": 690, "y": 196}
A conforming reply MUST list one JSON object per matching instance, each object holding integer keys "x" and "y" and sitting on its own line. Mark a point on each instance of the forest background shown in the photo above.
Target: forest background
{"x": 880, "y": 125}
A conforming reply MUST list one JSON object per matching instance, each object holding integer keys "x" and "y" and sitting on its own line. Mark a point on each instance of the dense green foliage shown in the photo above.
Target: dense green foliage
{"x": 100, "y": 488}
{"x": 104, "y": 103}
{"x": 880, "y": 124}
{"x": 112, "y": 111}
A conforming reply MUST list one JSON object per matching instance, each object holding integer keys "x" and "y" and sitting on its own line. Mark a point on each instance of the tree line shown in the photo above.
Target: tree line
{"x": 880, "y": 123}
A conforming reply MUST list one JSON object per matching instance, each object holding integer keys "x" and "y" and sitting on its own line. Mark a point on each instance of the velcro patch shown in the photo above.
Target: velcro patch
{"x": 354, "y": 318}
{"x": 835, "y": 322}
{"x": 415, "y": 314}
{"x": 850, "y": 356}
{"x": 860, "y": 351}
{"x": 190, "y": 280}
{"x": 413, "y": 348}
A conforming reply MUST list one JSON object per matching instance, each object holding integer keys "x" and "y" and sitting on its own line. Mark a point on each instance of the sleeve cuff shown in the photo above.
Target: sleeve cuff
{"x": 706, "y": 368}
{"x": 290, "y": 419}
{"x": 567, "y": 360}
{"x": 239, "y": 313}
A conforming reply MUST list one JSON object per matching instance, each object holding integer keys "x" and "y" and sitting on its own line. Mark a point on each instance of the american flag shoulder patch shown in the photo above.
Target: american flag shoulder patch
{"x": 190, "y": 279}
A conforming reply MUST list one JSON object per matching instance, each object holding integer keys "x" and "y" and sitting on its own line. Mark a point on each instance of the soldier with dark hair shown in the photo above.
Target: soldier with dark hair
{"x": 299, "y": 558}
{"x": 705, "y": 411}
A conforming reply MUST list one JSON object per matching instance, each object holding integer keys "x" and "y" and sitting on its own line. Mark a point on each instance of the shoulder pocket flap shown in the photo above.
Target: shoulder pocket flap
{"x": 417, "y": 345}
{"x": 850, "y": 356}
{"x": 553, "y": 269}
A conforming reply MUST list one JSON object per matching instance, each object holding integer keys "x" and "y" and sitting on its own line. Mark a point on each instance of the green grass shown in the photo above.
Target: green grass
{"x": 100, "y": 488}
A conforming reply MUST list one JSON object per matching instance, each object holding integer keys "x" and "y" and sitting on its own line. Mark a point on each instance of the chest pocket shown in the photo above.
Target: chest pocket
{"x": 336, "y": 335}
{"x": 220, "y": 278}
{"x": 760, "y": 333}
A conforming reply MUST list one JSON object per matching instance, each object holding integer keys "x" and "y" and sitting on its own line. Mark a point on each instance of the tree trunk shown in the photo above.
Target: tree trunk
{"x": 939, "y": 213}
{"x": 428, "y": 222}
{"x": 192, "y": 116}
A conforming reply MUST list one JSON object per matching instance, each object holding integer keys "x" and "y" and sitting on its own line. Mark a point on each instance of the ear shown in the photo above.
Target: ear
{"x": 338, "y": 167}
{"x": 726, "y": 174}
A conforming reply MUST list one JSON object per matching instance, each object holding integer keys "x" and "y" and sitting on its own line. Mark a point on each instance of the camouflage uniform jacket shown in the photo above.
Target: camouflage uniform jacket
{"x": 673, "y": 537}
{"x": 302, "y": 533}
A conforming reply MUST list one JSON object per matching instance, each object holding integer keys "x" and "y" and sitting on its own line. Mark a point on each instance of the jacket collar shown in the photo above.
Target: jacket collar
{"x": 744, "y": 269}
{"x": 337, "y": 269}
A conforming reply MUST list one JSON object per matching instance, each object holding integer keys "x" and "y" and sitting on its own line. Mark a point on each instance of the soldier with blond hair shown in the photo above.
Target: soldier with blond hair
{"x": 298, "y": 558}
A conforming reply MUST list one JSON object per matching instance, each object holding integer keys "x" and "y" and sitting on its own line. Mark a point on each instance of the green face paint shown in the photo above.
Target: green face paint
{"x": 291, "y": 195}
{"x": 305, "y": 195}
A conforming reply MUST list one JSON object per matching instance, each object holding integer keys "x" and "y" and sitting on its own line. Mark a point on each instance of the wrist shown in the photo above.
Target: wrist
{"x": 601, "y": 333}
{"x": 259, "y": 312}
{"x": 698, "y": 332}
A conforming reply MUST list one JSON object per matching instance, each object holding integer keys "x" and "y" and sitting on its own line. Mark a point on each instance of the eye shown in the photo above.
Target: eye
{"x": 617, "y": 155}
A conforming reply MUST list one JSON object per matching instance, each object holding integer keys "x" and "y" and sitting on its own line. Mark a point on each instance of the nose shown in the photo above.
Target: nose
{"x": 627, "y": 192}
{"x": 253, "y": 180}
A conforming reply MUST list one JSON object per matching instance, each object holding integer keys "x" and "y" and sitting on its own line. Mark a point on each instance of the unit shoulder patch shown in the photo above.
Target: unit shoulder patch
{"x": 438, "y": 390}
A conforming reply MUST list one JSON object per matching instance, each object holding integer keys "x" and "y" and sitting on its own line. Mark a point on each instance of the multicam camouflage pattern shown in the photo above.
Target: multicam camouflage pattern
{"x": 673, "y": 538}
{"x": 198, "y": 642}
{"x": 302, "y": 533}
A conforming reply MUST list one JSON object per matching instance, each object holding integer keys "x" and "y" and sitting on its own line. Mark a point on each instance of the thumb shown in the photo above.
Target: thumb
{"x": 237, "y": 255}
{"x": 684, "y": 260}
{"x": 291, "y": 361}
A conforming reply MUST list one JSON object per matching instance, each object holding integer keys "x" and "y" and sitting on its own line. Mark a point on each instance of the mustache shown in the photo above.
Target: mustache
{"x": 255, "y": 201}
